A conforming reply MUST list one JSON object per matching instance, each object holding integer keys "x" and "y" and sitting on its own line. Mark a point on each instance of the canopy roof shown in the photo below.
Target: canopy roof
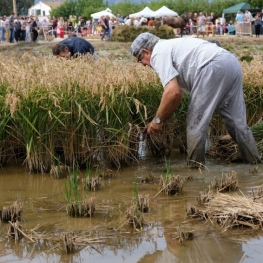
{"x": 239, "y": 7}
{"x": 102, "y": 13}
{"x": 165, "y": 11}
{"x": 146, "y": 12}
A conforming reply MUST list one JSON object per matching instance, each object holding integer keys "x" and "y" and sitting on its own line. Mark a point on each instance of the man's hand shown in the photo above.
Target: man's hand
{"x": 153, "y": 128}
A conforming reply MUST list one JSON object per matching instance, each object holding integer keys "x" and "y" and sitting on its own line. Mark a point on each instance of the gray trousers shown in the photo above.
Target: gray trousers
{"x": 217, "y": 87}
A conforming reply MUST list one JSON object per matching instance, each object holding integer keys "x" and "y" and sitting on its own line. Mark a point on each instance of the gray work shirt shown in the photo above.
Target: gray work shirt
{"x": 182, "y": 58}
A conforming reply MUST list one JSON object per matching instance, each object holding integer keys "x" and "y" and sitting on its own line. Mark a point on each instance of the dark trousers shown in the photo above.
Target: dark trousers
{"x": 23, "y": 35}
{"x": 106, "y": 32}
{"x": 257, "y": 29}
{"x": 18, "y": 35}
{"x": 35, "y": 35}
{"x": 12, "y": 35}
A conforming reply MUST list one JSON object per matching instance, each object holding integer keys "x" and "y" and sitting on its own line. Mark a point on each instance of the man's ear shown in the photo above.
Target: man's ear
{"x": 146, "y": 51}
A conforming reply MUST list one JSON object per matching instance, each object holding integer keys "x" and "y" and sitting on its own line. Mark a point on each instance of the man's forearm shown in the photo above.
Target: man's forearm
{"x": 171, "y": 98}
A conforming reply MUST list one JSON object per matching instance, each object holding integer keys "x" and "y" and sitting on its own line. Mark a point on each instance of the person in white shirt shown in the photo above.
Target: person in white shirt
{"x": 213, "y": 78}
{"x": 136, "y": 22}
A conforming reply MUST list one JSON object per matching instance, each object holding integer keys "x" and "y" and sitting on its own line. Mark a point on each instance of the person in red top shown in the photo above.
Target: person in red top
{"x": 150, "y": 22}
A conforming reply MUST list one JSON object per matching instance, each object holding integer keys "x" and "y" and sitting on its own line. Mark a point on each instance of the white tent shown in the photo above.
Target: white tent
{"x": 165, "y": 11}
{"x": 102, "y": 13}
{"x": 146, "y": 12}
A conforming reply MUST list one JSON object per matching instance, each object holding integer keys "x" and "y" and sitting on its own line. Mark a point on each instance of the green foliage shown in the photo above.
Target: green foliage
{"x": 86, "y": 7}
{"x": 257, "y": 3}
{"x": 22, "y": 6}
{"x": 125, "y": 8}
{"x": 78, "y": 8}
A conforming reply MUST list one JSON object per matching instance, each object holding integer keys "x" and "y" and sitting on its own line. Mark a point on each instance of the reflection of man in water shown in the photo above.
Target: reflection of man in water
{"x": 73, "y": 46}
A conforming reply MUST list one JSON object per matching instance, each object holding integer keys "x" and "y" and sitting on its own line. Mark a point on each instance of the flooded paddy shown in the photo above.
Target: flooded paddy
{"x": 106, "y": 237}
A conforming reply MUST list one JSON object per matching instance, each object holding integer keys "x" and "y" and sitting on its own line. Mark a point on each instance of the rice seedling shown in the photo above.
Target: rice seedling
{"x": 204, "y": 197}
{"x": 92, "y": 183}
{"x": 143, "y": 203}
{"x": 148, "y": 179}
{"x": 15, "y": 230}
{"x": 227, "y": 182}
{"x": 77, "y": 206}
{"x": 59, "y": 171}
{"x": 184, "y": 235}
{"x": 170, "y": 184}
{"x": 68, "y": 243}
{"x": 134, "y": 217}
{"x": 12, "y": 213}
{"x": 108, "y": 174}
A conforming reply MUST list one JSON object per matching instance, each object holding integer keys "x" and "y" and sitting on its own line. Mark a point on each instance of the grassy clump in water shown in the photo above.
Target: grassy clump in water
{"x": 77, "y": 206}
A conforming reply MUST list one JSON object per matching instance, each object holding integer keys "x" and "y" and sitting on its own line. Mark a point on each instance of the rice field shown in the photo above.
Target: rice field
{"x": 83, "y": 111}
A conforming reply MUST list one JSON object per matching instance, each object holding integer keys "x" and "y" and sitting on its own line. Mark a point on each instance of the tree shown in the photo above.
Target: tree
{"x": 126, "y": 8}
{"x": 22, "y": 6}
{"x": 77, "y": 8}
{"x": 256, "y": 3}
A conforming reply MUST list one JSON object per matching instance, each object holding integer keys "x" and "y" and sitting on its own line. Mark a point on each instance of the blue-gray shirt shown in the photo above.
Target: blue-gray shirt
{"x": 78, "y": 45}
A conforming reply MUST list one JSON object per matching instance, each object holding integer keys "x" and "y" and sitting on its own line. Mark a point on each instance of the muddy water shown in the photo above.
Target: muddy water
{"x": 44, "y": 204}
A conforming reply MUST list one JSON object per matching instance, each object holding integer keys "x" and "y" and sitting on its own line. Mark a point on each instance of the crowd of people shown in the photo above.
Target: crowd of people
{"x": 14, "y": 29}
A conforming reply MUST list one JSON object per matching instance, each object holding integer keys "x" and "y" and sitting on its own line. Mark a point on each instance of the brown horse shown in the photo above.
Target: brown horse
{"x": 176, "y": 22}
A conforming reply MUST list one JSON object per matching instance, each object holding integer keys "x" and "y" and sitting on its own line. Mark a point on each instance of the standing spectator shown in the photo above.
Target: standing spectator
{"x": 248, "y": 16}
{"x": 239, "y": 17}
{"x": 240, "y": 23}
{"x": 258, "y": 23}
{"x": 69, "y": 26}
{"x": 211, "y": 18}
{"x": 106, "y": 28}
{"x": 224, "y": 28}
{"x": 17, "y": 30}
{"x": 60, "y": 26}
{"x": 218, "y": 28}
{"x": 136, "y": 22}
{"x": 94, "y": 27}
{"x": 12, "y": 28}
{"x": 150, "y": 22}
{"x": 120, "y": 20}
{"x": 3, "y": 24}
{"x": 201, "y": 24}
{"x": 34, "y": 29}
{"x": 28, "y": 31}
{"x": 201, "y": 19}
{"x": 44, "y": 26}
{"x": 7, "y": 31}
{"x": 201, "y": 29}
{"x": 261, "y": 26}
{"x": 23, "y": 28}
{"x": 55, "y": 25}
{"x": 82, "y": 23}
{"x": 129, "y": 22}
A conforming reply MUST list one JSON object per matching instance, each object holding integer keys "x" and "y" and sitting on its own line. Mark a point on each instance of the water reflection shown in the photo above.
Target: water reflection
{"x": 44, "y": 204}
